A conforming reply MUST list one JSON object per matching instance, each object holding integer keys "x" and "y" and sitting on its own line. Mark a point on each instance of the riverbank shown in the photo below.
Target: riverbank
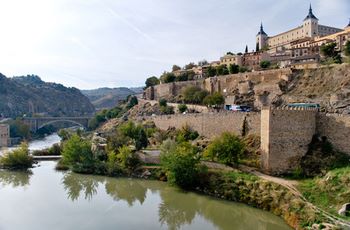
{"x": 99, "y": 202}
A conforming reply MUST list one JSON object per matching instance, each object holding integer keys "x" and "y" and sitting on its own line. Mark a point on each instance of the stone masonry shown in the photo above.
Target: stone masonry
{"x": 4, "y": 135}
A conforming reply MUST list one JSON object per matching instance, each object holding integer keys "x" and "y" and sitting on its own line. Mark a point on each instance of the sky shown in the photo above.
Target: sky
{"x": 113, "y": 43}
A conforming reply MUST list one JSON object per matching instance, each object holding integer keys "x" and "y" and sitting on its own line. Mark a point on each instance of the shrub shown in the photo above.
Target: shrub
{"x": 127, "y": 159}
{"x": 132, "y": 102}
{"x": 112, "y": 164}
{"x": 77, "y": 154}
{"x": 226, "y": 149}
{"x": 141, "y": 140}
{"x": 265, "y": 64}
{"x": 167, "y": 110}
{"x": 181, "y": 162}
{"x": 162, "y": 102}
{"x": 182, "y": 108}
{"x": 17, "y": 159}
{"x": 193, "y": 94}
{"x": 216, "y": 100}
{"x": 186, "y": 134}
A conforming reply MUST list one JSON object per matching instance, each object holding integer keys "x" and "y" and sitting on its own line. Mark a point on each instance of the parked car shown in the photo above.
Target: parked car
{"x": 238, "y": 108}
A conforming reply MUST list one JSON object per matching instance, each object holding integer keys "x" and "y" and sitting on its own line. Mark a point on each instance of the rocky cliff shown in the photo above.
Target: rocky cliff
{"x": 328, "y": 85}
{"x": 30, "y": 95}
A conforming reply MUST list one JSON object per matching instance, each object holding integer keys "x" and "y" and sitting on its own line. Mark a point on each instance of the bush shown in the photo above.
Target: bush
{"x": 112, "y": 164}
{"x": 167, "y": 110}
{"x": 127, "y": 159}
{"x": 181, "y": 162}
{"x": 193, "y": 94}
{"x": 226, "y": 149}
{"x": 132, "y": 102}
{"x": 265, "y": 64}
{"x": 182, "y": 108}
{"x": 17, "y": 159}
{"x": 77, "y": 154}
{"x": 216, "y": 100}
{"x": 162, "y": 102}
{"x": 141, "y": 140}
{"x": 135, "y": 132}
{"x": 186, "y": 134}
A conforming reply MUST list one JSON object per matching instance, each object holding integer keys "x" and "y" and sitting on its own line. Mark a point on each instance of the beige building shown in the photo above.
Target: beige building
{"x": 310, "y": 28}
{"x": 4, "y": 135}
{"x": 231, "y": 59}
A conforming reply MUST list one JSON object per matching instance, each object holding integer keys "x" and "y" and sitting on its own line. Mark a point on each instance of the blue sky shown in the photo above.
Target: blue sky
{"x": 96, "y": 43}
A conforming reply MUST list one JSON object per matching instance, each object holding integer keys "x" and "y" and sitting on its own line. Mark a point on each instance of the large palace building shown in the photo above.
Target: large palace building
{"x": 281, "y": 42}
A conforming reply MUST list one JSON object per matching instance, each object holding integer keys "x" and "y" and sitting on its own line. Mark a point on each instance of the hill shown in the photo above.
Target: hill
{"x": 103, "y": 98}
{"x": 30, "y": 95}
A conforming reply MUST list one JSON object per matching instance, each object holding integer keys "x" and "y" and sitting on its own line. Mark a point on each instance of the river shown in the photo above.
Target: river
{"x": 39, "y": 144}
{"x": 44, "y": 198}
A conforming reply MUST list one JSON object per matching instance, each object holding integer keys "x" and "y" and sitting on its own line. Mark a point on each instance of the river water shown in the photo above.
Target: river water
{"x": 44, "y": 198}
{"x": 39, "y": 144}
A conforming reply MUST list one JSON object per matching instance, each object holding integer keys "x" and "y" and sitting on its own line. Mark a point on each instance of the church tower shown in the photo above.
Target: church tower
{"x": 261, "y": 39}
{"x": 310, "y": 25}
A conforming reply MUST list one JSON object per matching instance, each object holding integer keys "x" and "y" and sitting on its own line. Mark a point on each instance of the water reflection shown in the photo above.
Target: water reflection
{"x": 127, "y": 190}
{"x": 150, "y": 201}
{"x": 15, "y": 178}
{"x": 74, "y": 184}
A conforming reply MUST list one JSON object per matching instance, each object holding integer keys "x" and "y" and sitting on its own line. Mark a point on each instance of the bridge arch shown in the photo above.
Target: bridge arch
{"x": 59, "y": 120}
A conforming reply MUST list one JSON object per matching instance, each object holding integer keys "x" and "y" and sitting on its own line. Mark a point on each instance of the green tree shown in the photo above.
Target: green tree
{"x": 347, "y": 48}
{"x": 216, "y": 100}
{"x": 233, "y": 68}
{"x": 186, "y": 133}
{"x": 132, "y": 102}
{"x": 328, "y": 50}
{"x": 167, "y": 77}
{"x": 193, "y": 94}
{"x": 190, "y": 66}
{"x": 222, "y": 70}
{"x": 19, "y": 129}
{"x": 152, "y": 81}
{"x": 141, "y": 140}
{"x": 226, "y": 149}
{"x": 175, "y": 68}
{"x": 182, "y": 108}
{"x": 265, "y": 64}
{"x": 77, "y": 154}
{"x": 182, "y": 77}
{"x": 162, "y": 102}
{"x": 211, "y": 71}
{"x": 181, "y": 162}
{"x": 127, "y": 159}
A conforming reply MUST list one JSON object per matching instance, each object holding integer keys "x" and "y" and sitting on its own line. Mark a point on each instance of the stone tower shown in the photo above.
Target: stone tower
{"x": 261, "y": 38}
{"x": 310, "y": 25}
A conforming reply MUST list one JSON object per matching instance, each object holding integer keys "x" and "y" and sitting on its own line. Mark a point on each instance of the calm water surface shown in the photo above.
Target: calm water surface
{"x": 43, "y": 143}
{"x": 47, "y": 199}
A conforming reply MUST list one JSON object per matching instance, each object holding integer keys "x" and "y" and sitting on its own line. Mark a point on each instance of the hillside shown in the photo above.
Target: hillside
{"x": 30, "y": 95}
{"x": 109, "y": 97}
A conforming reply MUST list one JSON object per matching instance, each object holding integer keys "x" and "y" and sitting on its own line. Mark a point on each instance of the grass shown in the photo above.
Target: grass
{"x": 329, "y": 192}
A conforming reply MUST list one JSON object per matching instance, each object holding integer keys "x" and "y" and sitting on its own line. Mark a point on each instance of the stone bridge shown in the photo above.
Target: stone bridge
{"x": 36, "y": 123}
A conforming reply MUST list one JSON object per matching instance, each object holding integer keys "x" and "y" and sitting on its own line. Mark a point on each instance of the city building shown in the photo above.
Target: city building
{"x": 310, "y": 28}
{"x": 4, "y": 135}
{"x": 231, "y": 59}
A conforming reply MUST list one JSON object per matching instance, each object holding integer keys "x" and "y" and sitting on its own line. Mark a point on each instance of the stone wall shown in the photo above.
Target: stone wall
{"x": 285, "y": 136}
{"x": 226, "y": 85}
{"x": 211, "y": 124}
{"x": 4, "y": 135}
{"x": 337, "y": 129}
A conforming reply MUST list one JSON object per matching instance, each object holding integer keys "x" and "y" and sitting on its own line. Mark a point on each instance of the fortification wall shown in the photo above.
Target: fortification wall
{"x": 336, "y": 128}
{"x": 286, "y": 135}
{"x": 217, "y": 84}
{"x": 211, "y": 124}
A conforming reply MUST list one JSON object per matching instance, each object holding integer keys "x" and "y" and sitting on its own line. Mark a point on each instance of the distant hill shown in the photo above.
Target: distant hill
{"x": 109, "y": 97}
{"x": 30, "y": 95}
